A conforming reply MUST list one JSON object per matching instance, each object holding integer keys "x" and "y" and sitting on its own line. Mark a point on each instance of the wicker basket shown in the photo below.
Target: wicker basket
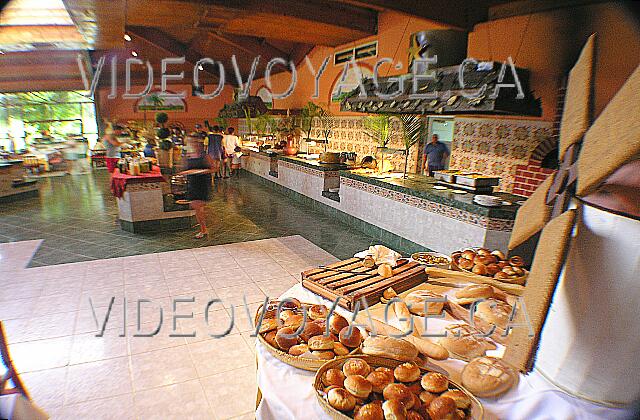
{"x": 477, "y": 412}
{"x": 522, "y": 280}
{"x": 303, "y": 363}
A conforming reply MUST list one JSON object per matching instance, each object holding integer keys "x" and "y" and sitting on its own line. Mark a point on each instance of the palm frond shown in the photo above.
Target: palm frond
{"x": 378, "y": 127}
{"x": 412, "y": 129}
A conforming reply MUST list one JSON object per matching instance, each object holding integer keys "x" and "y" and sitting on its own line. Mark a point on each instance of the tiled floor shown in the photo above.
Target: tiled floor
{"x": 73, "y": 374}
{"x": 75, "y": 216}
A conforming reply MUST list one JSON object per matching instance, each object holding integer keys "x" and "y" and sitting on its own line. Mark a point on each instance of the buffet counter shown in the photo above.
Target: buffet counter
{"x": 142, "y": 207}
{"x": 409, "y": 215}
{"x": 13, "y": 183}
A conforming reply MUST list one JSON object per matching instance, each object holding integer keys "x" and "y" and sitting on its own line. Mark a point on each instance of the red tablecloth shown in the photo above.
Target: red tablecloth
{"x": 119, "y": 181}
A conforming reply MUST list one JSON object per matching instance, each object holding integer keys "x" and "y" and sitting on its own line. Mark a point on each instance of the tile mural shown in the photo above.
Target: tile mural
{"x": 496, "y": 147}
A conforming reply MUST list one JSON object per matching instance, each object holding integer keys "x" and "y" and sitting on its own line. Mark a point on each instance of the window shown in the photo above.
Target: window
{"x": 360, "y": 52}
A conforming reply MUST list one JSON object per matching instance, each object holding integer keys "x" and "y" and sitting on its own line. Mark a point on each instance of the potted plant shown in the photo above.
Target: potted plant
{"x": 378, "y": 127}
{"x": 289, "y": 129}
{"x": 309, "y": 113}
{"x": 265, "y": 124}
{"x": 165, "y": 155}
{"x": 412, "y": 132}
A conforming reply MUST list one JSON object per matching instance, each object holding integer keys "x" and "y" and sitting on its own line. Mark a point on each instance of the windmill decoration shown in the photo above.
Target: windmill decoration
{"x": 589, "y": 152}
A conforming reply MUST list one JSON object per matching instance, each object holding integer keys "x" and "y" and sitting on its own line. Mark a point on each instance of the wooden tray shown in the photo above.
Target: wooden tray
{"x": 351, "y": 287}
{"x": 476, "y": 410}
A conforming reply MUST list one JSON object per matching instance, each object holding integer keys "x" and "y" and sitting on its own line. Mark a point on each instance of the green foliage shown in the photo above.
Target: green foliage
{"x": 309, "y": 112}
{"x": 412, "y": 131}
{"x": 288, "y": 126}
{"x": 163, "y": 132}
{"x": 247, "y": 116}
{"x": 162, "y": 118}
{"x": 222, "y": 122}
{"x": 378, "y": 127}
{"x": 265, "y": 124}
{"x": 327, "y": 123}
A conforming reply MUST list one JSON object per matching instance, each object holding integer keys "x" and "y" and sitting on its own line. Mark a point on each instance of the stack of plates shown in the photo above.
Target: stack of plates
{"x": 487, "y": 200}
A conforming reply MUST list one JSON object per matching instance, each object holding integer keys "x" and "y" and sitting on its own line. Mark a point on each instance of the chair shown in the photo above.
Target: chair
{"x": 10, "y": 376}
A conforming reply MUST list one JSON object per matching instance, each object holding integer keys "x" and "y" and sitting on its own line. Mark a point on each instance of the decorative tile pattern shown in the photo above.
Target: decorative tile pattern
{"x": 496, "y": 146}
{"x": 431, "y": 206}
{"x": 144, "y": 186}
{"x": 301, "y": 168}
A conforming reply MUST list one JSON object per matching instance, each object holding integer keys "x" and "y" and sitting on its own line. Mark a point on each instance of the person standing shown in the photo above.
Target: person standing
{"x": 198, "y": 176}
{"x": 112, "y": 146}
{"x": 215, "y": 150}
{"x": 231, "y": 142}
{"x": 434, "y": 155}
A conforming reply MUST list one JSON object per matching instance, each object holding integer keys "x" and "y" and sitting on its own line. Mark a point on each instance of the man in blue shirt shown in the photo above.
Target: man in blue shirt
{"x": 434, "y": 155}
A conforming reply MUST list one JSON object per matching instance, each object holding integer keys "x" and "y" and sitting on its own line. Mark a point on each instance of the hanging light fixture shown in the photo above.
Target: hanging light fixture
{"x": 127, "y": 37}
{"x": 133, "y": 53}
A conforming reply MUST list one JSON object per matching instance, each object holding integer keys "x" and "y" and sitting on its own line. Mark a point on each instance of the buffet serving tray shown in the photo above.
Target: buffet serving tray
{"x": 446, "y": 175}
{"x": 361, "y": 282}
{"x": 477, "y": 181}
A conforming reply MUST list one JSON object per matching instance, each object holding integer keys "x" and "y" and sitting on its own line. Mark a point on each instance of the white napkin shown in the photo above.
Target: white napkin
{"x": 383, "y": 255}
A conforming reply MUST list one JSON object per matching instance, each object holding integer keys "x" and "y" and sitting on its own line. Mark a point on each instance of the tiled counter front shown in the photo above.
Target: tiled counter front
{"x": 408, "y": 222}
{"x": 434, "y": 225}
{"x": 141, "y": 209}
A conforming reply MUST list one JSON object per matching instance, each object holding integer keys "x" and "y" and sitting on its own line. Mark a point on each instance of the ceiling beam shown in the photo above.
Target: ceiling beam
{"x": 460, "y": 14}
{"x": 249, "y": 45}
{"x": 527, "y": 7}
{"x": 345, "y": 16}
{"x": 161, "y": 40}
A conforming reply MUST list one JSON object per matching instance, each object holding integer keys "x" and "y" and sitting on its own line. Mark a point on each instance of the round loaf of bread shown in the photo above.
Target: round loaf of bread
{"x": 358, "y": 386}
{"x": 407, "y": 372}
{"x": 333, "y": 377}
{"x": 416, "y": 302}
{"x": 341, "y": 400}
{"x": 488, "y": 377}
{"x": 356, "y": 366}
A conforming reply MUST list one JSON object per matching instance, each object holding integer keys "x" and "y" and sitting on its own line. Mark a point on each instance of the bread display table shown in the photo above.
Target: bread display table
{"x": 142, "y": 206}
{"x": 287, "y": 392}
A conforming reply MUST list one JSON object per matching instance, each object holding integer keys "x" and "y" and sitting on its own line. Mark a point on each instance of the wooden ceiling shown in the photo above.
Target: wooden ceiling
{"x": 220, "y": 29}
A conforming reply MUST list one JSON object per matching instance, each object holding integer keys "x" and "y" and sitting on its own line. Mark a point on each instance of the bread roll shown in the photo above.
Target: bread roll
{"x": 394, "y": 410}
{"x": 379, "y": 380}
{"x": 294, "y": 321}
{"x": 368, "y": 262}
{"x": 291, "y": 303}
{"x": 407, "y": 372}
{"x": 320, "y": 342}
{"x": 333, "y": 377}
{"x": 487, "y": 377}
{"x": 434, "y": 382}
{"x": 387, "y": 371}
{"x": 466, "y": 264}
{"x": 355, "y": 366}
{"x": 468, "y": 254}
{"x": 339, "y": 349}
{"x": 394, "y": 348}
{"x": 499, "y": 255}
{"x": 285, "y": 343}
{"x": 414, "y": 415}
{"x": 493, "y": 268}
{"x": 462, "y": 400}
{"x": 399, "y": 392}
{"x": 341, "y": 400}
{"x": 270, "y": 338}
{"x": 267, "y": 325}
{"x": 318, "y": 312}
{"x": 473, "y": 292}
{"x": 298, "y": 349}
{"x": 358, "y": 386}
{"x": 426, "y": 397}
{"x": 337, "y": 322}
{"x": 443, "y": 408}
{"x": 516, "y": 261}
{"x": 311, "y": 330}
{"x": 351, "y": 338}
{"x": 479, "y": 269}
{"x": 371, "y": 411}
{"x": 323, "y": 354}
{"x": 416, "y": 302}
{"x": 483, "y": 251}
{"x": 385, "y": 271}
{"x": 285, "y": 314}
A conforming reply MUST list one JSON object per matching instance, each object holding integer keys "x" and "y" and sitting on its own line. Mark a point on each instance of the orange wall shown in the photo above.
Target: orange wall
{"x": 551, "y": 42}
{"x": 198, "y": 110}
{"x": 546, "y": 43}
{"x": 394, "y": 30}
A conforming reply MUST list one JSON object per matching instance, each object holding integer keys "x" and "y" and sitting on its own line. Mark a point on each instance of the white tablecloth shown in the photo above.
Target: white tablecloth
{"x": 287, "y": 392}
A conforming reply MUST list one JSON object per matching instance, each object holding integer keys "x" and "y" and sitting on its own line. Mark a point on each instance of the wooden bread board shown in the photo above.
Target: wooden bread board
{"x": 361, "y": 282}
{"x": 514, "y": 289}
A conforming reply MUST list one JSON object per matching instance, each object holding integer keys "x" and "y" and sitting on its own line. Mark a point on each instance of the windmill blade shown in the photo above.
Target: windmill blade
{"x": 576, "y": 114}
{"x": 533, "y": 215}
{"x": 613, "y": 139}
{"x": 541, "y": 285}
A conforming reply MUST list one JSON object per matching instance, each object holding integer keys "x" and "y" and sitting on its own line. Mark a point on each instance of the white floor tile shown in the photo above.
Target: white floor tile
{"x": 91, "y": 381}
{"x": 179, "y": 401}
{"x": 232, "y": 393}
{"x": 161, "y": 367}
